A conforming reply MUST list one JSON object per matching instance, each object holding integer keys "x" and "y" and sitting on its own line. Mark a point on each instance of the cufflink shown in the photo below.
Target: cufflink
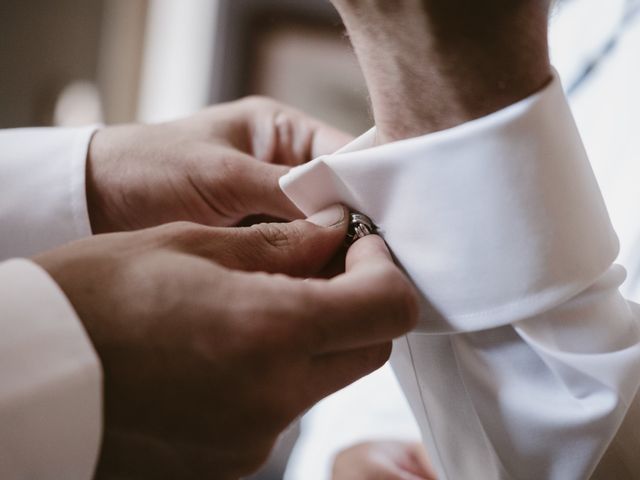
{"x": 359, "y": 227}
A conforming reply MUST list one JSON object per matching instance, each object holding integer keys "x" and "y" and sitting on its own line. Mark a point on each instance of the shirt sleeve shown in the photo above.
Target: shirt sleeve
{"x": 42, "y": 189}
{"x": 525, "y": 361}
{"x": 50, "y": 381}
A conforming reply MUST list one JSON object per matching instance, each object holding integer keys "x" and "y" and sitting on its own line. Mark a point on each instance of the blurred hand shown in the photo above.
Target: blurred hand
{"x": 206, "y": 361}
{"x": 383, "y": 461}
{"x": 215, "y": 168}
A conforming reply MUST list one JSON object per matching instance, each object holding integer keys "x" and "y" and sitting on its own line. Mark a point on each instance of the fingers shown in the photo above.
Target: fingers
{"x": 332, "y": 372}
{"x": 299, "y": 249}
{"x": 299, "y": 138}
{"x": 234, "y": 185}
{"x": 302, "y": 138}
{"x": 287, "y": 136}
{"x": 323, "y": 139}
{"x": 280, "y": 137}
{"x": 259, "y": 191}
{"x": 373, "y": 302}
{"x": 327, "y": 139}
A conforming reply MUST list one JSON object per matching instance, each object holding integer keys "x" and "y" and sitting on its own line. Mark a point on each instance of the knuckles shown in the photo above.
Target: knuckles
{"x": 278, "y": 235}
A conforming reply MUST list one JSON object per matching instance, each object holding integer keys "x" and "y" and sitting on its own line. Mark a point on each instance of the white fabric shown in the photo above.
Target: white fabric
{"x": 50, "y": 376}
{"x": 50, "y": 382}
{"x": 526, "y": 358}
{"x": 42, "y": 188}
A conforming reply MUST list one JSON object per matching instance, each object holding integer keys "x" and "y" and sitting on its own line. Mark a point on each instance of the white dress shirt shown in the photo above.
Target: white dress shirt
{"x": 50, "y": 376}
{"x": 511, "y": 198}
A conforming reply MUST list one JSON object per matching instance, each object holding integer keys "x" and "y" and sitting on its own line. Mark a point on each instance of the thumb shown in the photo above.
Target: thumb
{"x": 300, "y": 248}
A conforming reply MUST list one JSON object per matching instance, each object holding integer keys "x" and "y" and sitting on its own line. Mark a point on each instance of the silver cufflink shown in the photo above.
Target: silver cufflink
{"x": 359, "y": 226}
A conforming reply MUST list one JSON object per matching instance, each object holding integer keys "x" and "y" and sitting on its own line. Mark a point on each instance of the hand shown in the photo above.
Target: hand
{"x": 206, "y": 361}
{"x": 215, "y": 168}
{"x": 383, "y": 461}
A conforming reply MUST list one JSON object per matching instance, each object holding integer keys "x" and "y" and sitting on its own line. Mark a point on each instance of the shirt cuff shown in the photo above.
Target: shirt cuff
{"x": 510, "y": 221}
{"x": 43, "y": 197}
{"x": 50, "y": 380}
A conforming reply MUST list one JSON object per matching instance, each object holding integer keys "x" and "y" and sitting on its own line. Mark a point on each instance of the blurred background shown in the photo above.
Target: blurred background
{"x": 75, "y": 62}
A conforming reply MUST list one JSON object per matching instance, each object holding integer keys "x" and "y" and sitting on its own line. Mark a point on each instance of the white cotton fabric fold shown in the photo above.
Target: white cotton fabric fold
{"x": 526, "y": 359}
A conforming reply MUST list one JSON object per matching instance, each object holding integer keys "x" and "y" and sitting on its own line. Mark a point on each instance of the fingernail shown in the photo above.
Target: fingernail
{"x": 329, "y": 217}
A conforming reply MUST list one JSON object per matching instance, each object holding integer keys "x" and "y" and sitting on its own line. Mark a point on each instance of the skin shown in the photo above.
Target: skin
{"x": 383, "y": 460}
{"x": 210, "y": 338}
{"x": 216, "y": 167}
{"x": 434, "y": 64}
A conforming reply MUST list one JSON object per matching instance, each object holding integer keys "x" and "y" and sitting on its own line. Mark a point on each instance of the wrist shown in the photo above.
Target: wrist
{"x": 104, "y": 177}
{"x": 433, "y": 65}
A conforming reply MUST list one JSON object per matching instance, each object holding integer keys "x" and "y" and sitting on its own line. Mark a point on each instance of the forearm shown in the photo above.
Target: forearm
{"x": 432, "y": 64}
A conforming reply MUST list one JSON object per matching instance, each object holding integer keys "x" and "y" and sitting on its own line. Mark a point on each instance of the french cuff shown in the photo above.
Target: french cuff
{"x": 44, "y": 202}
{"x": 50, "y": 378}
{"x": 495, "y": 220}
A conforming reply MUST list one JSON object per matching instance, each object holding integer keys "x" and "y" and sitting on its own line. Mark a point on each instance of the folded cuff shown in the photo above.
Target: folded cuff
{"x": 43, "y": 197}
{"x": 496, "y": 220}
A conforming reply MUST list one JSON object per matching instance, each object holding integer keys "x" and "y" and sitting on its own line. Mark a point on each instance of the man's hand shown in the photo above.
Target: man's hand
{"x": 206, "y": 361}
{"x": 390, "y": 460}
{"x": 214, "y": 168}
